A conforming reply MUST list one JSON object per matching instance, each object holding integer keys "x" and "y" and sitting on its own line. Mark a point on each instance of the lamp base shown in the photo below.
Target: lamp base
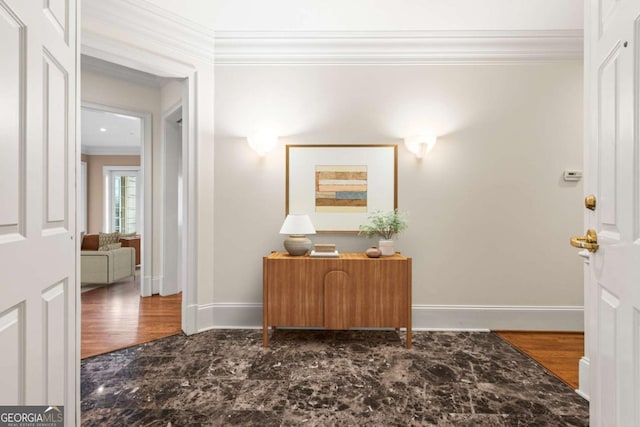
{"x": 297, "y": 245}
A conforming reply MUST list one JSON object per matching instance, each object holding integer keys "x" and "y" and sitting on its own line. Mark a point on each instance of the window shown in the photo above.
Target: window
{"x": 124, "y": 203}
{"x": 123, "y": 199}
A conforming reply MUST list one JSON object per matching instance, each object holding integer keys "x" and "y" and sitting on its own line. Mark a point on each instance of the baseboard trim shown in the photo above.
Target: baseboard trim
{"x": 425, "y": 317}
{"x": 583, "y": 378}
{"x": 468, "y": 317}
{"x": 229, "y": 316}
{"x": 156, "y": 284}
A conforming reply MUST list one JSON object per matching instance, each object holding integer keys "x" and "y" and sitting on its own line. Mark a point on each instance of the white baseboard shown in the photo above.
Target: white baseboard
{"x": 583, "y": 378}
{"x": 425, "y": 317}
{"x": 229, "y": 316}
{"x": 190, "y": 318}
{"x": 156, "y": 284}
{"x": 147, "y": 284}
{"x": 478, "y": 317}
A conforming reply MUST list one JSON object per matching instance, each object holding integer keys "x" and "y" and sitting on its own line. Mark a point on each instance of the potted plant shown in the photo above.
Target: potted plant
{"x": 386, "y": 225}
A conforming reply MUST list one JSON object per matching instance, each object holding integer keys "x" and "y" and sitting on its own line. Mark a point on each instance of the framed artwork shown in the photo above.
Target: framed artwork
{"x": 338, "y": 186}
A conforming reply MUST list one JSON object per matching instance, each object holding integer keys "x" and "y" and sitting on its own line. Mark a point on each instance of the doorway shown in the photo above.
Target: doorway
{"x": 134, "y": 202}
{"x": 116, "y": 146}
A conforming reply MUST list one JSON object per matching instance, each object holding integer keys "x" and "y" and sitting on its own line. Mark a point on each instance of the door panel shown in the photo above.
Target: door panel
{"x": 607, "y": 313}
{"x": 609, "y": 85}
{"x": 12, "y": 50}
{"x": 12, "y": 341}
{"x": 56, "y": 165}
{"x": 337, "y": 300}
{"x": 54, "y": 340}
{"x": 57, "y": 11}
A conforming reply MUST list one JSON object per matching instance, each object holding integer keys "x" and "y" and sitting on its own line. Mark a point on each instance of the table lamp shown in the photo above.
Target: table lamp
{"x": 297, "y": 226}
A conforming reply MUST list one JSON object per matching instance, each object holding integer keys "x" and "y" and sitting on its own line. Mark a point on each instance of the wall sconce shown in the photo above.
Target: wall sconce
{"x": 263, "y": 142}
{"x": 420, "y": 145}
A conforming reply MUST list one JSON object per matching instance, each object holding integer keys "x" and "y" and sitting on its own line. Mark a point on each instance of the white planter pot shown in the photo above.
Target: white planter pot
{"x": 387, "y": 247}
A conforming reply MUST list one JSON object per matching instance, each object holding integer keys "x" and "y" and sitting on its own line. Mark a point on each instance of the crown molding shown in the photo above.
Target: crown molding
{"x": 396, "y": 47}
{"x": 146, "y": 22}
{"x": 106, "y": 19}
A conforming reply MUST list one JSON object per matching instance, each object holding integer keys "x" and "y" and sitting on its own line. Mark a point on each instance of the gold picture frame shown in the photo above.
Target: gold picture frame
{"x": 338, "y": 186}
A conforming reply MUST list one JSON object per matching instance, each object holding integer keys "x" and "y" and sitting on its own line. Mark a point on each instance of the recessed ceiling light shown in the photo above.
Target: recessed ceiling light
{"x": 103, "y": 129}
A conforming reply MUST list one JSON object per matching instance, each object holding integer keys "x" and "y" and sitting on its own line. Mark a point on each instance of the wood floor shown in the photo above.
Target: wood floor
{"x": 115, "y": 317}
{"x": 559, "y": 352}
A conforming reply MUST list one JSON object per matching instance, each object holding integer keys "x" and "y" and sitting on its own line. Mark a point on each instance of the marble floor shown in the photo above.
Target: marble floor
{"x": 325, "y": 378}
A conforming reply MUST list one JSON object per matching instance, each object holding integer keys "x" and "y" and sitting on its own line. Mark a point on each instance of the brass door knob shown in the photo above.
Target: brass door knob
{"x": 590, "y": 202}
{"x": 588, "y": 242}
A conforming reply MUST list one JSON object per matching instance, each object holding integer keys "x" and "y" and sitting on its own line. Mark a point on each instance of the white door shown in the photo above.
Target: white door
{"x": 38, "y": 341}
{"x": 612, "y": 164}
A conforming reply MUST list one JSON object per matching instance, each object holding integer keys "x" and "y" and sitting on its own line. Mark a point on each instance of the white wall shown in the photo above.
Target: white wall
{"x": 171, "y": 94}
{"x": 490, "y": 215}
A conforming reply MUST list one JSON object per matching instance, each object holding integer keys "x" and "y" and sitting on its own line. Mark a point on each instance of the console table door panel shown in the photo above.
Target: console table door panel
{"x": 295, "y": 293}
{"x": 379, "y": 296}
{"x": 337, "y": 300}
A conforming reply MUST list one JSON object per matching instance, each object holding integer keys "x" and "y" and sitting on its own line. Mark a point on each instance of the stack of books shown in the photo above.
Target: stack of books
{"x": 324, "y": 250}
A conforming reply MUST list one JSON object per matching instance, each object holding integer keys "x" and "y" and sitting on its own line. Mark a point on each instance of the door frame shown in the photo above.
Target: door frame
{"x": 146, "y": 245}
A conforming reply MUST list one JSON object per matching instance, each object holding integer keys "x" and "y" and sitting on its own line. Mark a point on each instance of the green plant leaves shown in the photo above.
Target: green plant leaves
{"x": 384, "y": 224}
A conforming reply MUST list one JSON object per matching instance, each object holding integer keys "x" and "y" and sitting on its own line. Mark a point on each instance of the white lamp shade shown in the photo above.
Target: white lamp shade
{"x": 420, "y": 144}
{"x": 295, "y": 224}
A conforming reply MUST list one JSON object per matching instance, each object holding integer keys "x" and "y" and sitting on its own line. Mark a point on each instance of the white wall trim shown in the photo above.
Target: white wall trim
{"x": 144, "y": 18}
{"x": 425, "y": 317}
{"x": 111, "y": 151}
{"x": 583, "y": 378}
{"x": 229, "y": 316}
{"x": 156, "y": 284}
{"x": 530, "y": 318}
{"x": 396, "y": 47}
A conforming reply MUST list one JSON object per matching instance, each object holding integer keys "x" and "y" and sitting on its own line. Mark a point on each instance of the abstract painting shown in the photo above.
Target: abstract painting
{"x": 341, "y": 188}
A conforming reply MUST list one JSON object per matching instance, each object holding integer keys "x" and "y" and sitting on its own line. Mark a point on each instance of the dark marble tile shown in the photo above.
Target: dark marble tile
{"x": 262, "y": 395}
{"x": 249, "y": 418}
{"x": 145, "y": 417}
{"x": 325, "y": 378}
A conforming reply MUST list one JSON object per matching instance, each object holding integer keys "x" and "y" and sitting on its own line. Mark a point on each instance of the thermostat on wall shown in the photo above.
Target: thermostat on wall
{"x": 572, "y": 175}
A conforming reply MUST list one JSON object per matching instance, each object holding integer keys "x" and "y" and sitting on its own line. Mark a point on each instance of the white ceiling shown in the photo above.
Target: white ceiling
{"x": 122, "y": 134}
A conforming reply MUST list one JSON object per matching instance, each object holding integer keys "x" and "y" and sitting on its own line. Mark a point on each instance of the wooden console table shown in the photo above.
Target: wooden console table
{"x": 352, "y": 291}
